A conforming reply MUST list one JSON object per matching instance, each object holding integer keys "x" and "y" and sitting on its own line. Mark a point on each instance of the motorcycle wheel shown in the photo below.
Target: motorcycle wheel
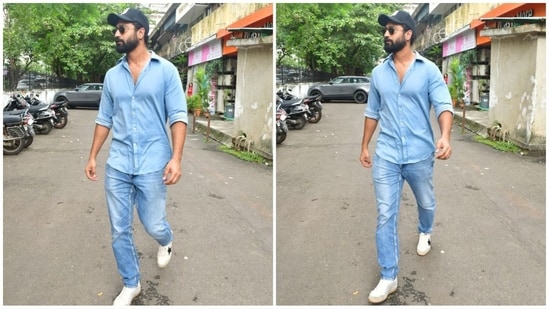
{"x": 28, "y": 141}
{"x": 280, "y": 137}
{"x": 61, "y": 123}
{"x": 14, "y": 147}
{"x": 317, "y": 117}
{"x": 301, "y": 122}
{"x": 47, "y": 129}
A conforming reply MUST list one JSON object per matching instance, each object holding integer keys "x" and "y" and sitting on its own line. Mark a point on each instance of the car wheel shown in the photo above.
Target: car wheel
{"x": 316, "y": 93}
{"x": 360, "y": 97}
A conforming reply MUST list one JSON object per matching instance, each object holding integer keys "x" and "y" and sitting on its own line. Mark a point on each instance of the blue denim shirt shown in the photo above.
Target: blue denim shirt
{"x": 403, "y": 109}
{"x": 137, "y": 114}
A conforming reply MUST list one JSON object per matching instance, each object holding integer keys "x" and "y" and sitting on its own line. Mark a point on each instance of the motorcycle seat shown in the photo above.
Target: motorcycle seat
{"x": 15, "y": 112}
{"x": 36, "y": 108}
{"x": 10, "y": 120}
{"x": 288, "y": 103}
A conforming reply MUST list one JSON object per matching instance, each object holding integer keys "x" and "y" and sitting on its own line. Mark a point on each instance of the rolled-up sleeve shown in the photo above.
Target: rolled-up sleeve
{"x": 104, "y": 116}
{"x": 374, "y": 100}
{"x": 439, "y": 95}
{"x": 176, "y": 103}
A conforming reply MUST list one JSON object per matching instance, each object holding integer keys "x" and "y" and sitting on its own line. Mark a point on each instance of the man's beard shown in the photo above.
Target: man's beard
{"x": 395, "y": 46}
{"x": 127, "y": 46}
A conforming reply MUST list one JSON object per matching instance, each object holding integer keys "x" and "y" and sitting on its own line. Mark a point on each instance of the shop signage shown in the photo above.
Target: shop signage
{"x": 208, "y": 51}
{"x": 253, "y": 32}
{"x": 518, "y": 21}
{"x": 460, "y": 43}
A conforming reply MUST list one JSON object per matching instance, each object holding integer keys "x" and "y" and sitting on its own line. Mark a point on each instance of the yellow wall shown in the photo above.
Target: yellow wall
{"x": 463, "y": 15}
{"x": 222, "y": 17}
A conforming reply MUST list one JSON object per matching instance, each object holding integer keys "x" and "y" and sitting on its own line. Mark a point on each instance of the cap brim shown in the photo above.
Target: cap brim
{"x": 383, "y": 19}
{"x": 113, "y": 19}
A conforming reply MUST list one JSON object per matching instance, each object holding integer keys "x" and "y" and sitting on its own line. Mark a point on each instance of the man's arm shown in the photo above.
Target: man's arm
{"x": 172, "y": 172}
{"x": 99, "y": 136}
{"x": 370, "y": 125}
{"x": 444, "y": 150}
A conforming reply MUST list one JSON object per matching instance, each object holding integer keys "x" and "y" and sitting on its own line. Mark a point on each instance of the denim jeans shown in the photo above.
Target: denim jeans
{"x": 388, "y": 182}
{"x": 148, "y": 193}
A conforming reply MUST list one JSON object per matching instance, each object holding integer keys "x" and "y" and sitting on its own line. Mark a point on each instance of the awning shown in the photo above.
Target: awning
{"x": 497, "y": 12}
{"x": 187, "y": 12}
{"x": 262, "y": 15}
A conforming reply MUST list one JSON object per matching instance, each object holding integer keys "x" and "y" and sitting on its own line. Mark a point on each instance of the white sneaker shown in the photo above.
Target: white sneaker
{"x": 382, "y": 290}
{"x": 424, "y": 244}
{"x": 127, "y": 295}
{"x": 164, "y": 255}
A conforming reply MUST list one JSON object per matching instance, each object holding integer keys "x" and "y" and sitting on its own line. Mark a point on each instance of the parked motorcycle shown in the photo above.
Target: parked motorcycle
{"x": 42, "y": 113}
{"x": 281, "y": 126}
{"x": 313, "y": 102}
{"x": 61, "y": 114}
{"x": 297, "y": 113}
{"x": 14, "y": 137}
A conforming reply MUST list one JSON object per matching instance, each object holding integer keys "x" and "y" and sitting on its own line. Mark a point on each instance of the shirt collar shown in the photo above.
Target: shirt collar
{"x": 125, "y": 57}
{"x": 418, "y": 57}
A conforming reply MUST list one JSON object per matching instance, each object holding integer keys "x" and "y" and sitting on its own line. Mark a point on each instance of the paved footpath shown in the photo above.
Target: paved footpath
{"x": 57, "y": 237}
{"x": 489, "y": 240}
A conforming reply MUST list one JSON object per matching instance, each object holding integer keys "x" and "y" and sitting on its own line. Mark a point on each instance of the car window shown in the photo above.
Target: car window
{"x": 84, "y": 87}
{"x": 99, "y": 87}
{"x": 338, "y": 80}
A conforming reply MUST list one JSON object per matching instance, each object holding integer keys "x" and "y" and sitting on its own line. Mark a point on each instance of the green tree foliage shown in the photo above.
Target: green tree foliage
{"x": 340, "y": 38}
{"x": 73, "y": 40}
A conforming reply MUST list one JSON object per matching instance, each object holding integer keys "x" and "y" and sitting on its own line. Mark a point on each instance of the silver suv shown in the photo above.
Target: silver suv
{"x": 343, "y": 88}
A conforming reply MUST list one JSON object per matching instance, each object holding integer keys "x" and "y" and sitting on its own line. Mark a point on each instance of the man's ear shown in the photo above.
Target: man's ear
{"x": 408, "y": 35}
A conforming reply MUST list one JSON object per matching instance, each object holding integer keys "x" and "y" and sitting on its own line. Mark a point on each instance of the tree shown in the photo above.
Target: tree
{"x": 73, "y": 40}
{"x": 340, "y": 38}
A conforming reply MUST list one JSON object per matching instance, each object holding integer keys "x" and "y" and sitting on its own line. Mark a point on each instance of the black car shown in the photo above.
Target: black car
{"x": 343, "y": 88}
{"x": 85, "y": 95}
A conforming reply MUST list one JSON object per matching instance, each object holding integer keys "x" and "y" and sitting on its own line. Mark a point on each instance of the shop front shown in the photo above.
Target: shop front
{"x": 516, "y": 36}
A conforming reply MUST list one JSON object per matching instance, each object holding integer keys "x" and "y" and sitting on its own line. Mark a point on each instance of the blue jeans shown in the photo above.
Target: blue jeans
{"x": 388, "y": 182}
{"x": 148, "y": 193}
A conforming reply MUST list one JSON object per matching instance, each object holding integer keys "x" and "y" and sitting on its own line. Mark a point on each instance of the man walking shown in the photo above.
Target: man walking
{"x": 142, "y": 93}
{"x": 402, "y": 91}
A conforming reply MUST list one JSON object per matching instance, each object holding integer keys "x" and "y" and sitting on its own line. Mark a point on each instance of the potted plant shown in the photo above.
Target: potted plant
{"x": 194, "y": 104}
{"x": 457, "y": 83}
{"x": 202, "y": 87}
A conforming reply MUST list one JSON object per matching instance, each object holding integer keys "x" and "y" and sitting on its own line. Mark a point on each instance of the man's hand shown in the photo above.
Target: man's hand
{"x": 90, "y": 170}
{"x": 365, "y": 159}
{"x": 172, "y": 172}
{"x": 444, "y": 150}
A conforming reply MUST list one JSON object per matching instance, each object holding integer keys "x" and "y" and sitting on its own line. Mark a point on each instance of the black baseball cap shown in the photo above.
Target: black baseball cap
{"x": 400, "y": 17}
{"x": 131, "y": 15}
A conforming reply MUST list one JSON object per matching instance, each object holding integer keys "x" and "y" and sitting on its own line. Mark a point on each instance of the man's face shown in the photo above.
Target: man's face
{"x": 125, "y": 36}
{"x": 394, "y": 38}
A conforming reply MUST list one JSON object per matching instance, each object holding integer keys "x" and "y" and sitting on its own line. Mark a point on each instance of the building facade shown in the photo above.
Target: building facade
{"x": 502, "y": 47}
{"x": 233, "y": 42}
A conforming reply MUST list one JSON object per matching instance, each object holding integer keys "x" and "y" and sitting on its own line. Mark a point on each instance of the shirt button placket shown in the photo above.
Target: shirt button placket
{"x": 402, "y": 128}
{"x": 134, "y": 136}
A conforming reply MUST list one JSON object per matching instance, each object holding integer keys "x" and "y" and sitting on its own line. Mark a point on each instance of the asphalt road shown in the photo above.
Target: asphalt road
{"x": 489, "y": 243}
{"x": 57, "y": 237}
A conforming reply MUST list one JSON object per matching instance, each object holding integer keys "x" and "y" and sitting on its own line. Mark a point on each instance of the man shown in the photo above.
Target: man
{"x": 402, "y": 91}
{"x": 141, "y": 94}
